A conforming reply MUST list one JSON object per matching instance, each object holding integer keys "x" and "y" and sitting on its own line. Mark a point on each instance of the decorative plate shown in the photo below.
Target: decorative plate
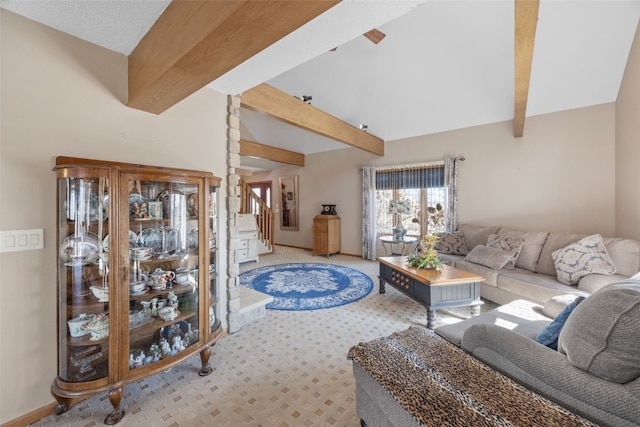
{"x": 170, "y": 240}
{"x": 151, "y": 238}
{"x": 192, "y": 240}
{"x": 138, "y": 206}
{"x": 133, "y": 237}
{"x": 83, "y": 249}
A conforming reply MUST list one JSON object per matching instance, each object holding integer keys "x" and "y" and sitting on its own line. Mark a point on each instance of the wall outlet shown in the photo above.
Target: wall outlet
{"x": 21, "y": 240}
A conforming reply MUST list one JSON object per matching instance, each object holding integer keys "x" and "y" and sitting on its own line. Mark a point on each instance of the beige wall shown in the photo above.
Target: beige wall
{"x": 560, "y": 176}
{"x": 628, "y": 147}
{"x": 63, "y": 96}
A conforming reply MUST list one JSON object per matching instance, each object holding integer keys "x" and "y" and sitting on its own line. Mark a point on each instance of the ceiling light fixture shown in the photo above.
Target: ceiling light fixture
{"x": 364, "y": 127}
{"x": 305, "y": 98}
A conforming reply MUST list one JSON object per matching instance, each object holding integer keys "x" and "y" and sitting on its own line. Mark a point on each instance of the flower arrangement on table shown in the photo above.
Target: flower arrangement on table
{"x": 427, "y": 258}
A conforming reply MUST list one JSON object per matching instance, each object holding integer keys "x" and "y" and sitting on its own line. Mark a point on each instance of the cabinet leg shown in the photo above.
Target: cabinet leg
{"x": 63, "y": 402}
{"x": 62, "y": 407}
{"x": 115, "y": 396}
{"x": 204, "y": 358}
{"x": 382, "y": 289}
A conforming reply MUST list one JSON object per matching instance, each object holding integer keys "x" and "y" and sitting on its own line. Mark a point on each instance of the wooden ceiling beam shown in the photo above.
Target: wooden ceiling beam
{"x": 289, "y": 109}
{"x": 254, "y": 149}
{"x": 243, "y": 172}
{"x": 526, "y": 20}
{"x": 194, "y": 42}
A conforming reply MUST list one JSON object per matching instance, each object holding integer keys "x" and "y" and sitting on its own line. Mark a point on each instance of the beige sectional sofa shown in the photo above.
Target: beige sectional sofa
{"x": 534, "y": 277}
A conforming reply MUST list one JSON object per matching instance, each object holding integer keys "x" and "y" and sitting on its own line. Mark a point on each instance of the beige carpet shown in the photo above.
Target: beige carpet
{"x": 288, "y": 369}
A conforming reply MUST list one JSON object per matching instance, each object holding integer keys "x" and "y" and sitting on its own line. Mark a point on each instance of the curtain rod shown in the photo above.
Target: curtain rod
{"x": 414, "y": 165}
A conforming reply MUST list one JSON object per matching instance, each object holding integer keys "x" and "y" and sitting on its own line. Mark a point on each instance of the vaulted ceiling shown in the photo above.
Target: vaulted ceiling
{"x": 444, "y": 64}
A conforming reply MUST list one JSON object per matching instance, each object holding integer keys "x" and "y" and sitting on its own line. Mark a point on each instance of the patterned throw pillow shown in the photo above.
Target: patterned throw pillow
{"x": 451, "y": 243}
{"x": 513, "y": 245}
{"x": 579, "y": 259}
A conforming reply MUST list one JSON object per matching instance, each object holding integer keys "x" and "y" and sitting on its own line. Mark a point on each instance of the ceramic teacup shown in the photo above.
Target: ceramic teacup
{"x": 182, "y": 278}
{"x": 137, "y": 287}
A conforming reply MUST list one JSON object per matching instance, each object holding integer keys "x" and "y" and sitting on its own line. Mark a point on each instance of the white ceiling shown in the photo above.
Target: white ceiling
{"x": 445, "y": 64}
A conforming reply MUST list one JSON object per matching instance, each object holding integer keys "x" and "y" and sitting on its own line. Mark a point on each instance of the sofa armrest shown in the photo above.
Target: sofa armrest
{"x": 548, "y": 373}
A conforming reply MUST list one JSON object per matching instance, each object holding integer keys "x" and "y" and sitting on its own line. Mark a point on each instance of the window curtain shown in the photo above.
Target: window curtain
{"x": 451, "y": 184}
{"x": 369, "y": 235}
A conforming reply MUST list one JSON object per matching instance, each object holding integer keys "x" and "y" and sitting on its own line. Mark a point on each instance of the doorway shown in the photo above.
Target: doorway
{"x": 262, "y": 189}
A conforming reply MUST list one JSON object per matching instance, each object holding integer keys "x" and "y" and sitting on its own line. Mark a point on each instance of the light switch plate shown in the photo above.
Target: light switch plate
{"x": 21, "y": 240}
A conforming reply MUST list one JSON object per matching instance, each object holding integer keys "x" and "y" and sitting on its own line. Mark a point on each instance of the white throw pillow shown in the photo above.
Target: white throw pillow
{"x": 579, "y": 259}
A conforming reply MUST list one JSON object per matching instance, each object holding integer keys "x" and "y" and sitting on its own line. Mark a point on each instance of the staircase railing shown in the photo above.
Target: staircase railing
{"x": 251, "y": 203}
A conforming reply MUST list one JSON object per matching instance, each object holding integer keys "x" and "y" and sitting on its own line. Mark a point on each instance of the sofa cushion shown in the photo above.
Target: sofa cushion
{"x": 549, "y": 335}
{"x": 519, "y": 316}
{"x": 554, "y": 242}
{"x": 495, "y": 259}
{"x": 533, "y": 286}
{"x": 530, "y": 252}
{"x": 554, "y": 306}
{"x": 508, "y": 244}
{"x": 490, "y": 275}
{"x": 586, "y": 256}
{"x": 601, "y": 335}
{"x": 625, "y": 254}
{"x": 450, "y": 259}
{"x": 475, "y": 235}
{"x": 592, "y": 283}
{"x": 451, "y": 243}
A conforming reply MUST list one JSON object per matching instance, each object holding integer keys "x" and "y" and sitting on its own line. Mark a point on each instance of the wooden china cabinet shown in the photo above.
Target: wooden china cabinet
{"x": 137, "y": 288}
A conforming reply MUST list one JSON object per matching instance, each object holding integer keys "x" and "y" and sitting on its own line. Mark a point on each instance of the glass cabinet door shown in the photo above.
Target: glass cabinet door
{"x": 83, "y": 274}
{"x": 214, "y": 322}
{"x": 164, "y": 247}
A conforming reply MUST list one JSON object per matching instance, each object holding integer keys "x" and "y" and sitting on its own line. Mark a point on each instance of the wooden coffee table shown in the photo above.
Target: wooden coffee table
{"x": 434, "y": 289}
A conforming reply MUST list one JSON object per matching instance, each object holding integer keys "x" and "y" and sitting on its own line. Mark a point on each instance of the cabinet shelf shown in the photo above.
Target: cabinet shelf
{"x": 99, "y": 197}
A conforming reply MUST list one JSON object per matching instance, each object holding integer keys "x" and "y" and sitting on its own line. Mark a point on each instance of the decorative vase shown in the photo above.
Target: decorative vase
{"x": 398, "y": 232}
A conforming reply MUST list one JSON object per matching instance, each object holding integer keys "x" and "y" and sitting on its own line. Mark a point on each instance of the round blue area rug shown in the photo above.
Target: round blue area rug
{"x": 308, "y": 286}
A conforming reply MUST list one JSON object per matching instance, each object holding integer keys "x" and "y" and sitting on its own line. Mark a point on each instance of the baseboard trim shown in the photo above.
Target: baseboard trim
{"x": 32, "y": 417}
{"x": 311, "y": 249}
